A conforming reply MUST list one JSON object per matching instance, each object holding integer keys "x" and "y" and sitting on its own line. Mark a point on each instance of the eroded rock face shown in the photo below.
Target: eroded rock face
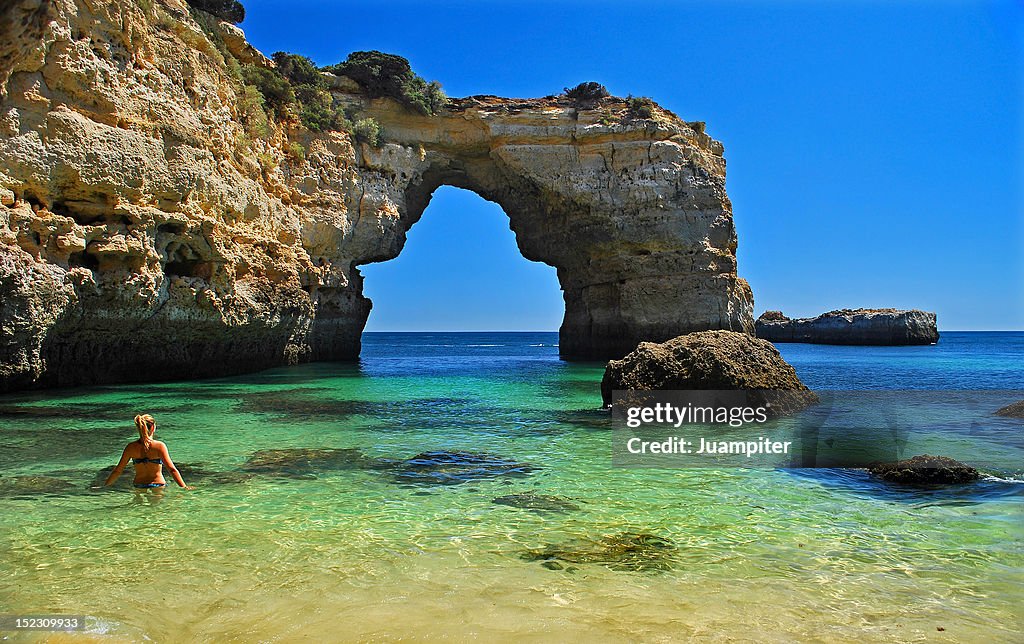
{"x": 852, "y": 326}
{"x": 711, "y": 360}
{"x": 145, "y": 235}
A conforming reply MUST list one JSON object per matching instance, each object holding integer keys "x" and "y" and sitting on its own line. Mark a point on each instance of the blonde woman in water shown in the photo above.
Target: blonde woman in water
{"x": 150, "y": 457}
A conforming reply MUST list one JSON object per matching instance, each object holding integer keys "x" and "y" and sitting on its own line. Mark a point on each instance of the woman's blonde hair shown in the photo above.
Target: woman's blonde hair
{"x": 146, "y": 426}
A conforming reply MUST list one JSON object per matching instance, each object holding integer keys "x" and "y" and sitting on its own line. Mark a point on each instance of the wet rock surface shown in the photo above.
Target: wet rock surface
{"x": 925, "y": 470}
{"x": 626, "y": 551}
{"x": 537, "y": 502}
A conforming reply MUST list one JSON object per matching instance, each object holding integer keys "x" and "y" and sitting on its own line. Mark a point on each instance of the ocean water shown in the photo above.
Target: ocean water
{"x": 391, "y": 531}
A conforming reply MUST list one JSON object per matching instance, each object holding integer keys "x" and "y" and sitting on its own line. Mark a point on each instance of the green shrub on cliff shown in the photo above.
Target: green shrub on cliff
{"x": 589, "y": 92}
{"x": 298, "y": 69}
{"x": 639, "y": 107}
{"x": 228, "y": 10}
{"x": 314, "y": 103}
{"x": 296, "y": 152}
{"x": 318, "y": 112}
{"x": 297, "y": 88}
{"x": 380, "y": 75}
{"x": 368, "y": 131}
{"x": 276, "y": 90}
{"x": 253, "y": 113}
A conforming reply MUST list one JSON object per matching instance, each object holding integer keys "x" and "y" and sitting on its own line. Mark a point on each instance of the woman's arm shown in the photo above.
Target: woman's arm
{"x": 169, "y": 464}
{"x": 119, "y": 468}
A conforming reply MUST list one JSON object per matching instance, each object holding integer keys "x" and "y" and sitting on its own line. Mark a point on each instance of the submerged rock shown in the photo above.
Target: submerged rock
{"x": 711, "y": 360}
{"x": 851, "y": 326}
{"x": 453, "y": 468}
{"x": 926, "y": 470}
{"x": 537, "y": 502}
{"x": 303, "y": 462}
{"x": 300, "y": 403}
{"x": 634, "y": 552}
{"x": 87, "y": 411}
{"x": 1015, "y": 410}
{"x": 16, "y": 486}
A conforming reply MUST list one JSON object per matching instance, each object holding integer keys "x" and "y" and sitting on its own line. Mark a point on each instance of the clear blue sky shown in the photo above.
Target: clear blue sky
{"x": 874, "y": 148}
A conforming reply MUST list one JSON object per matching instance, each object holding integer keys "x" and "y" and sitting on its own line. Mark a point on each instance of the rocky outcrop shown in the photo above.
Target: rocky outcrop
{"x": 711, "y": 360}
{"x": 925, "y": 470}
{"x": 1014, "y": 410}
{"x": 146, "y": 233}
{"x": 851, "y": 326}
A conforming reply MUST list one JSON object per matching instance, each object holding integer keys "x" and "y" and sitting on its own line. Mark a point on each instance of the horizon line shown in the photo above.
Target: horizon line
{"x": 556, "y": 331}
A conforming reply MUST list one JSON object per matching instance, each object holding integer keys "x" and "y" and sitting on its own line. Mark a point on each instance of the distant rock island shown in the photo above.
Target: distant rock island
{"x": 851, "y": 326}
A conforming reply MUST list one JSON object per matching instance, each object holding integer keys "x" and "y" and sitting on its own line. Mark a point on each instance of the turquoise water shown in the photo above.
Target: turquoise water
{"x": 362, "y": 541}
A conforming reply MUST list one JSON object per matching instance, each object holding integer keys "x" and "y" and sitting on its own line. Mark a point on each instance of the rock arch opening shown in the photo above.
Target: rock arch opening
{"x": 460, "y": 269}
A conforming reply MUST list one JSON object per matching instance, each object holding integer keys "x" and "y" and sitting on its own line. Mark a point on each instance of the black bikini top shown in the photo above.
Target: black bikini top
{"x": 155, "y": 461}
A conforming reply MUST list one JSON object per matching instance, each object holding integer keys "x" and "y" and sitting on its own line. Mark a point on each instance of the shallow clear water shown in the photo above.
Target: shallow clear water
{"x": 369, "y": 546}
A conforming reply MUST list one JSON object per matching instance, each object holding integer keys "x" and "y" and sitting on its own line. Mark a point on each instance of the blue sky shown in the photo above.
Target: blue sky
{"x": 874, "y": 148}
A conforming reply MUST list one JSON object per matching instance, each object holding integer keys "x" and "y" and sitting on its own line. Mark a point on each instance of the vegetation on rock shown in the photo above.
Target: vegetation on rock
{"x": 228, "y": 10}
{"x": 297, "y": 88}
{"x": 589, "y": 92}
{"x": 380, "y": 75}
{"x": 314, "y": 104}
{"x": 368, "y": 131}
{"x": 639, "y": 107}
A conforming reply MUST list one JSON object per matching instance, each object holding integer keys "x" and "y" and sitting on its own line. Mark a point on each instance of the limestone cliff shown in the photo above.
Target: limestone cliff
{"x": 145, "y": 235}
{"x": 851, "y": 326}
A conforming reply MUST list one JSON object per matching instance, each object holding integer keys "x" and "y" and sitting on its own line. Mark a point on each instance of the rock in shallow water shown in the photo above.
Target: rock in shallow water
{"x": 303, "y": 462}
{"x": 18, "y": 486}
{"x": 711, "y": 360}
{"x": 453, "y": 468}
{"x": 851, "y": 326}
{"x": 302, "y": 403}
{"x": 537, "y": 502}
{"x": 1015, "y": 410}
{"x": 629, "y": 551}
{"x": 925, "y": 470}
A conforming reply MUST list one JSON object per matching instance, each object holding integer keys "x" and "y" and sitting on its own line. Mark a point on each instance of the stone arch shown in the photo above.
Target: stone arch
{"x": 636, "y": 222}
